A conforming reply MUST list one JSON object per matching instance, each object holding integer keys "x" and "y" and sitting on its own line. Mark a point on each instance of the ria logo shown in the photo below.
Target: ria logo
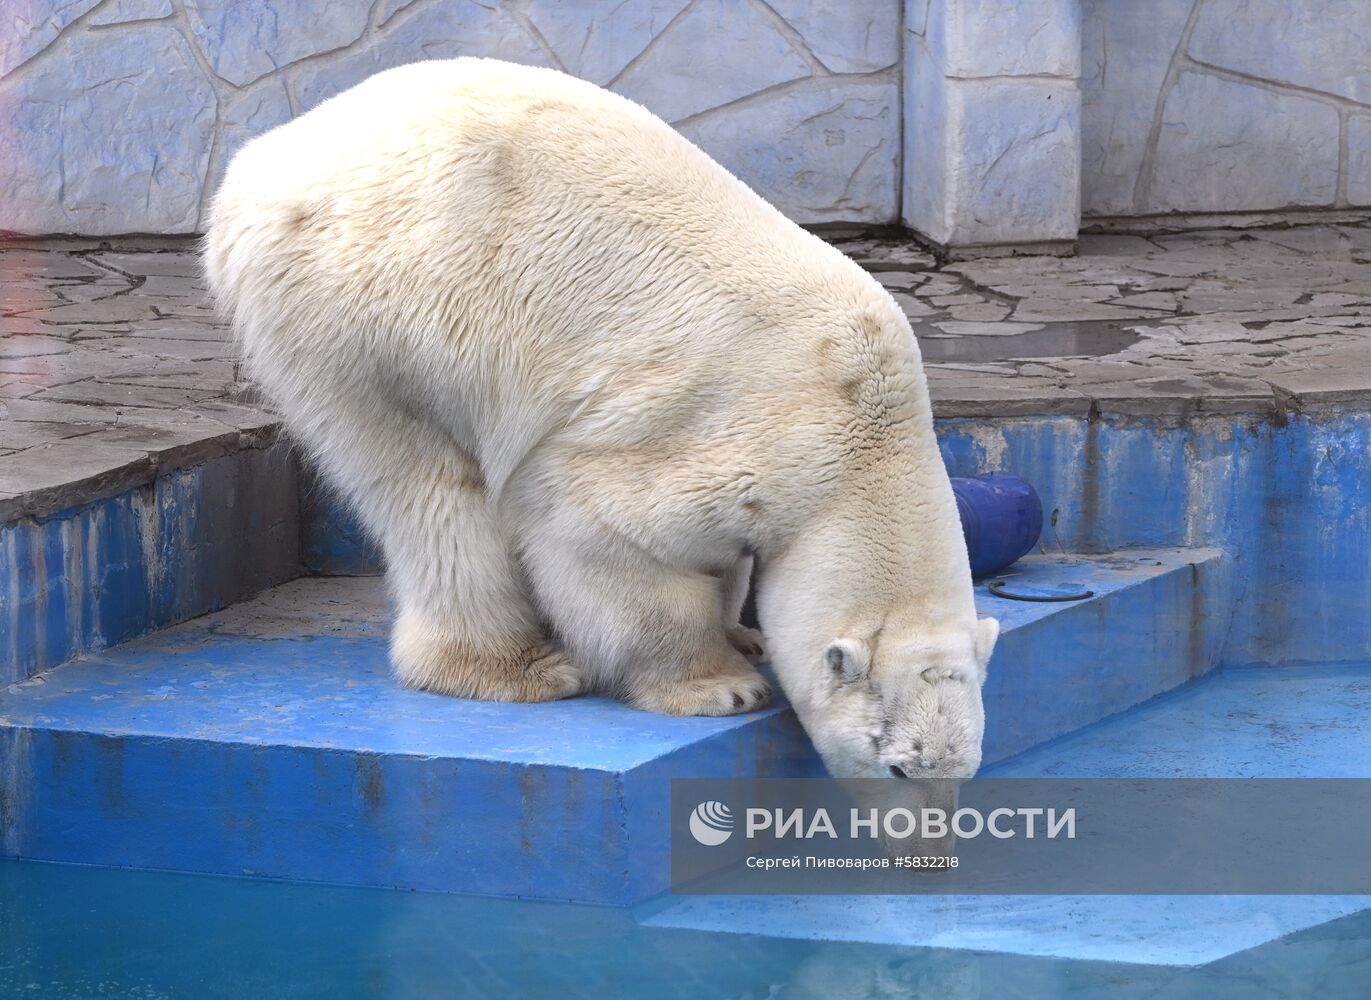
{"x": 711, "y": 823}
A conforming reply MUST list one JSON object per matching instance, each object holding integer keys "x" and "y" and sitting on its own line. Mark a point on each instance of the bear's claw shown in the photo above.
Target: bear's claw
{"x": 747, "y": 641}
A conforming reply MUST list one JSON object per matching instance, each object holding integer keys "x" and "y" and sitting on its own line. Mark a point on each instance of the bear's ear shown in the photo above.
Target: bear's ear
{"x": 848, "y": 659}
{"x": 987, "y": 631}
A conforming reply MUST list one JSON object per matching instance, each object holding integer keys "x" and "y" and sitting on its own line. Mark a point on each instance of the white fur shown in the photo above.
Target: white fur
{"x": 572, "y": 374}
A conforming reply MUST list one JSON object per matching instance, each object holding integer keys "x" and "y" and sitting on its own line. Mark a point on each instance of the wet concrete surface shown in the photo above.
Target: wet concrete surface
{"x": 1055, "y": 340}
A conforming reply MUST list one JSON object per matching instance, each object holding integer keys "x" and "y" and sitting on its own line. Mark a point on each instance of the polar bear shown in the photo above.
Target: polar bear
{"x": 576, "y": 377}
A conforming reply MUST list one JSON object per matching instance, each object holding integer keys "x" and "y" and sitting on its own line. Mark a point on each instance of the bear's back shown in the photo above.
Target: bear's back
{"x": 455, "y": 164}
{"x": 525, "y": 250}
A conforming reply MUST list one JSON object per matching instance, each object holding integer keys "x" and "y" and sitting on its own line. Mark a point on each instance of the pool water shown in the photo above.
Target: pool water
{"x": 70, "y": 931}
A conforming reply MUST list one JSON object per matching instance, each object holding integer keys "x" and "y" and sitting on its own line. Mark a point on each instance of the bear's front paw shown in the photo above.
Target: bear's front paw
{"x": 520, "y": 670}
{"x": 735, "y": 689}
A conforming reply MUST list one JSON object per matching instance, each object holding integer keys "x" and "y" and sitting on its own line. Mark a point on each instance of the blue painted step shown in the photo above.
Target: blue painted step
{"x": 268, "y": 739}
{"x": 1270, "y": 722}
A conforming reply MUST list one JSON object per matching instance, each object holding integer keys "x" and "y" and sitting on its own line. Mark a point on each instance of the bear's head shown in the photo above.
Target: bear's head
{"x": 885, "y": 672}
{"x": 901, "y": 703}
{"x": 864, "y": 590}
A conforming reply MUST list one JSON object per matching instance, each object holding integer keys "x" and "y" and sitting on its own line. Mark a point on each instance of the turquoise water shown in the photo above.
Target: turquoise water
{"x": 69, "y": 931}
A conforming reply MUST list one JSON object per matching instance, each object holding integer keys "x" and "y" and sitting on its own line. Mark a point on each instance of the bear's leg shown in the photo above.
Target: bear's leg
{"x": 465, "y": 625}
{"x": 737, "y": 582}
{"x": 650, "y": 631}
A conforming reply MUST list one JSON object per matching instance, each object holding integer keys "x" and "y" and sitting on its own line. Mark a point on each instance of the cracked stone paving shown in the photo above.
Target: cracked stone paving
{"x": 113, "y": 365}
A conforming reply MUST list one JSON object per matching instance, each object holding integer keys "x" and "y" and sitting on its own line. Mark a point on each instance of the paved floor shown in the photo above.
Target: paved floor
{"x": 1261, "y": 319}
{"x": 112, "y": 365}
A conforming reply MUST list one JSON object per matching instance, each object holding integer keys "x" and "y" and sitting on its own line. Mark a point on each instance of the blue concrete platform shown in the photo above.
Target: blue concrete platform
{"x": 1266, "y": 722}
{"x": 1157, "y": 619}
{"x": 269, "y": 739}
{"x": 1253, "y": 722}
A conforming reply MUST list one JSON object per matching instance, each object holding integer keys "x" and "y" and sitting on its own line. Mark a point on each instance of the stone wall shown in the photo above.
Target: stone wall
{"x": 992, "y": 121}
{"x": 119, "y": 116}
{"x": 975, "y": 122}
{"x": 1225, "y": 105}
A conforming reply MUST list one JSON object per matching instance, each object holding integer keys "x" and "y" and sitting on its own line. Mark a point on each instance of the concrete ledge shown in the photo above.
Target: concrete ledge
{"x": 1189, "y": 222}
{"x": 1158, "y": 618}
{"x": 269, "y": 739}
{"x": 54, "y": 479}
{"x": 1034, "y": 248}
{"x": 189, "y": 541}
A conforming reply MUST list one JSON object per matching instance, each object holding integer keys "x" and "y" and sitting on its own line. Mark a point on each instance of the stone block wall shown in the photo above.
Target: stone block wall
{"x": 992, "y": 121}
{"x": 119, "y": 116}
{"x": 975, "y": 122}
{"x": 1219, "y": 106}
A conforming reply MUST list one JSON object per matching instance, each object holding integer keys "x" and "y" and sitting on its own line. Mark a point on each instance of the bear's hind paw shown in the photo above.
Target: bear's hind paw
{"x": 728, "y": 694}
{"x": 747, "y": 641}
{"x": 523, "y": 673}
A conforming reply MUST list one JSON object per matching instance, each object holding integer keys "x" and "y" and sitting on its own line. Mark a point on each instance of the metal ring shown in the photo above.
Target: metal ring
{"x": 997, "y": 588}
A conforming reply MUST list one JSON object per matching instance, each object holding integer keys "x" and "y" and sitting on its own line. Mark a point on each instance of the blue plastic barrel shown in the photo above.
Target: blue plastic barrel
{"x": 1002, "y": 518}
